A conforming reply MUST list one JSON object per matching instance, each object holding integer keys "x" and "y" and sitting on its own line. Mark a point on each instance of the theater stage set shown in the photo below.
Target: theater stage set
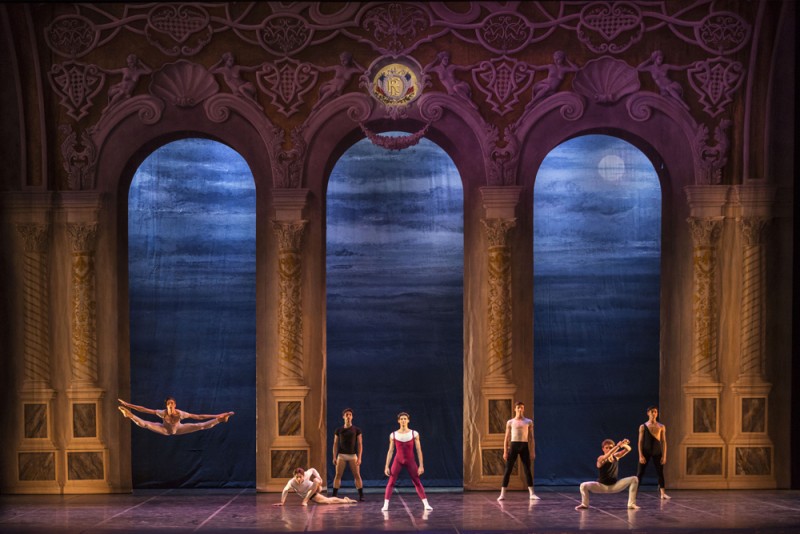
{"x": 284, "y": 209}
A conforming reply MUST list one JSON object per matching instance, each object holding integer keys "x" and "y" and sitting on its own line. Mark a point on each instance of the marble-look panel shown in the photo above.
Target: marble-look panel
{"x": 704, "y": 415}
{"x": 753, "y": 460}
{"x": 289, "y": 414}
{"x": 284, "y": 462}
{"x": 85, "y": 465}
{"x": 493, "y": 463}
{"x": 704, "y": 460}
{"x": 84, "y": 420}
{"x": 36, "y": 466}
{"x": 499, "y": 413}
{"x": 754, "y": 414}
{"x": 35, "y": 420}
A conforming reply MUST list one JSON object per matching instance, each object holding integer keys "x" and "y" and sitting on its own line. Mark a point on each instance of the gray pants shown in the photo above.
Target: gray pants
{"x": 595, "y": 487}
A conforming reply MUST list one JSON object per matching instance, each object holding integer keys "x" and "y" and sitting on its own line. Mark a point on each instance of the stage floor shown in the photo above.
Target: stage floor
{"x": 174, "y": 511}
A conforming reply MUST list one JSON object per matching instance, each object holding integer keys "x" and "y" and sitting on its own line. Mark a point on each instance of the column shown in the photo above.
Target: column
{"x": 702, "y": 449}
{"x": 498, "y": 388}
{"x": 289, "y": 446}
{"x": 751, "y": 452}
{"x": 37, "y": 455}
{"x": 86, "y": 452}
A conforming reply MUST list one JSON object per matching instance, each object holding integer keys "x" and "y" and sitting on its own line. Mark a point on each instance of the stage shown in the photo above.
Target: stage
{"x": 244, "y": 510}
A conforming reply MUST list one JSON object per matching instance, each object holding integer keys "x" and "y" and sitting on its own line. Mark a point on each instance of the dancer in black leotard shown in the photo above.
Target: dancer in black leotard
{"x": 653, "y": 444}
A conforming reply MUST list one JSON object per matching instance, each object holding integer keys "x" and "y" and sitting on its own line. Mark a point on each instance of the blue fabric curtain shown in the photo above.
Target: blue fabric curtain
{"x": 394, "y": 304}
{"x": 597, "y": 228}
{"x": 191, "y": 239}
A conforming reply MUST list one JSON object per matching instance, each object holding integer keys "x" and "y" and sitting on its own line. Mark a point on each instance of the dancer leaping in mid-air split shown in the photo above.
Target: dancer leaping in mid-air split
{"x": 172, "y": 417}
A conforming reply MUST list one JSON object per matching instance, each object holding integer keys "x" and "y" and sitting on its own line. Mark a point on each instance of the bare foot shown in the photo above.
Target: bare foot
{"x": 633, "y": 507}
{"x": 581, "y": 507}
{"x": 224, "y": 417}
{"x": 124, "y": 411}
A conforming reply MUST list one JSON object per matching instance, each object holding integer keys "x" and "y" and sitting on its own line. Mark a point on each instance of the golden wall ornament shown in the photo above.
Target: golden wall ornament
{"x": 705, "y": 233}
{"x": 84, "y": 306}
{"x": 36, "y": 295}
{"x": 290, "y": 320}
{"x": 499, "y": 310}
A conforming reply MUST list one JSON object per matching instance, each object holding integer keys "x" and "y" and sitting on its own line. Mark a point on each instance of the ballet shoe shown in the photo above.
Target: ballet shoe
{"x": 633, "y": 507}
{"x": 665, "y": 496}
{"x": 581, "y": 507}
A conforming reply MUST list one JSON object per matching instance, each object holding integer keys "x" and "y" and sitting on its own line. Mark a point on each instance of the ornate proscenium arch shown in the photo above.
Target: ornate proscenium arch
{"x": 282, "y": 84}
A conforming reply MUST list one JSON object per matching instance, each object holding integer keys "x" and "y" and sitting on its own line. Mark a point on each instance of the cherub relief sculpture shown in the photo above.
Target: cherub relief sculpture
{"x": 79, "y": 158}
{"x": 130, "y": 77}
{"x": 342, "y": 73}
{"x": 714, "y": 157}
{"x": 555, "y": 75}
{"x": 446, "y": 71}
{"x": 659, "y": 71}
{"x": 232, "y": 74}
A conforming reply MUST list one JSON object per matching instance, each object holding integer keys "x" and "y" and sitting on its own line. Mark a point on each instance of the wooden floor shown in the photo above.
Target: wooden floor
{"x": 244, "y": 510}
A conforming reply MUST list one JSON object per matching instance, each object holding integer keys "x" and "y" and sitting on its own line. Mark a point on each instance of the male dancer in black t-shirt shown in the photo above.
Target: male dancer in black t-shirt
{"x": 608, "y": 468}
{"x": 347, "y": 449}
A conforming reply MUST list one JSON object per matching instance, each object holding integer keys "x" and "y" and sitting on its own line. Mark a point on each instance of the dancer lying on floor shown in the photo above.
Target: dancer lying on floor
{"x": 306, "y": 484}
{"x": 171, "y": 416}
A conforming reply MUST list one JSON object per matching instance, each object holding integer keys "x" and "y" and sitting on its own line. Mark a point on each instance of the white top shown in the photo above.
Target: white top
{"x": 408, "y": 436}
{"x": 302, "y": 488}
{"x": 519, "y": 428}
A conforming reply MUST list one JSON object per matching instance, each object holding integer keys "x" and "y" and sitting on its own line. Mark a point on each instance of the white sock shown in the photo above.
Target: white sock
{"x": 502, "y": 494}
{"x": 385, "y": 505}
{"x": 427, "y": 506}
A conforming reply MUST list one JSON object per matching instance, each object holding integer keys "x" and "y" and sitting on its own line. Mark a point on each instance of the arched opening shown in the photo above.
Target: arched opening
{"x": 191, "y": 262}
{"x": 597, "y": 267}
{"x": 395, "y": 285}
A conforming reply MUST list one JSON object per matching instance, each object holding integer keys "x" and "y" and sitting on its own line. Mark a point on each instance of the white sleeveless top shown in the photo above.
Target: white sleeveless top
{"x": 404, "y": 437}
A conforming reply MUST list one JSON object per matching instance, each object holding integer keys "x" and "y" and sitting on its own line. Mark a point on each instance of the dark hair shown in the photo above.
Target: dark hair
{"x": 608, "y": 441}
{"x": 518, "y": 403}
{"x": 347, "y": 410}
{"x": 169, "y": 399}
{"x": 299, "y": 471}
{"x": 402, "y": 414}
{"x": 651, "y": 408}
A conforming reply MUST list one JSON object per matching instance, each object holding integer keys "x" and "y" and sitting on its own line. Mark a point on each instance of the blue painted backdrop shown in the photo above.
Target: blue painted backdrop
{"x": 597, "y": 213}
{"x": 394, "y": 299}
{"x": 191, "y": 239}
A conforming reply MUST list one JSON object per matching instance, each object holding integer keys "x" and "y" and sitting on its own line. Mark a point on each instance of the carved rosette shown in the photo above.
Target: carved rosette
{"x": 705, "y": 233}
{"x": 37, "y": 325}
{"x": 752, "y": 326}
{"x": 82, "y": 238}
{"x": 499, "y": 361}
{"x": 290, "y": 321}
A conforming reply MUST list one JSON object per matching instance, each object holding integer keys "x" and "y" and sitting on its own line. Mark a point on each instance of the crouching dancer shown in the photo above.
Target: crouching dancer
{"x": 306, "y": 484}
{"x": 607, "y": 482}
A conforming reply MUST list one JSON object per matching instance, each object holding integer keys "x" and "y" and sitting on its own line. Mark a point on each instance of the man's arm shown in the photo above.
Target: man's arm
{"x": 389, "y": 456}
{"x": 283, "y": 495}
{"x": 640, "y": 444}
{"x": 623, "y": 448}
{"x": 360, "y": 450}
{"x": 507, "y": 440}
{"x": 312, "y": 491}
{"x": 663, "y": 445}
{"x": 335, "y": 447}
{"x": 531, "y": 441}
{"x": 137, "y": 408}
{"x": 419, "y": 454}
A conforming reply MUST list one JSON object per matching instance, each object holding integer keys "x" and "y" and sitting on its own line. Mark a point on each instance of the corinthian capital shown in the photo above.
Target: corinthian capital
{"x": 497, "y": 230}
{"x": 705, "y": 230}
{"x": 35, "y": 236}
{"x": 82, "y": 236}
{"x": 290, "y": 233}
{"x": 752, "y": 229}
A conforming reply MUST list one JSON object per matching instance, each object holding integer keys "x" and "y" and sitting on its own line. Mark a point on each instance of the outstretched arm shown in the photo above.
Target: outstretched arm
{"x": 623, "y": 448}
{"x": 137, "y": 408}
{"x": 283, "y": 495}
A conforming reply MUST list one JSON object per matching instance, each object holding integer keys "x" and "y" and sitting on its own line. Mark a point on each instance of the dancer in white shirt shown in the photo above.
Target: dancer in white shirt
{"x": 306, "y": 484}
{"x": 519, "y": 442}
